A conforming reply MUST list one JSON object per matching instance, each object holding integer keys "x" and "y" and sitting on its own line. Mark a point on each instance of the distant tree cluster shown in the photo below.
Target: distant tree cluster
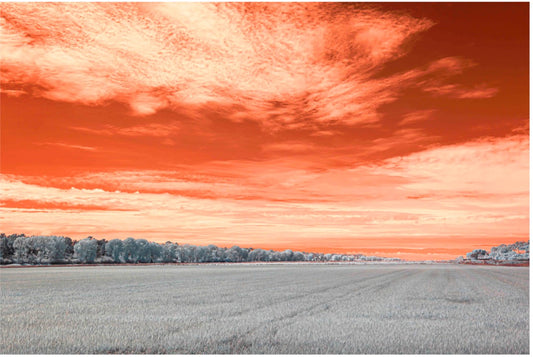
{"x": 20, "y": 249}
{"x": 518, "y": 251}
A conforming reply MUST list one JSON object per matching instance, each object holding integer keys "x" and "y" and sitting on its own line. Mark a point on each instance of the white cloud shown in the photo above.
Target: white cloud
{"x": 278, "y": 63}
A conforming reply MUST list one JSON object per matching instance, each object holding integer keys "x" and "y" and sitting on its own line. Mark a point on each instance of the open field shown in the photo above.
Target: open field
{"x": 307, "y": 308}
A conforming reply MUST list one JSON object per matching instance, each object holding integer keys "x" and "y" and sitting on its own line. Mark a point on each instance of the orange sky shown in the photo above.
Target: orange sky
{"x": 384, "y": 129}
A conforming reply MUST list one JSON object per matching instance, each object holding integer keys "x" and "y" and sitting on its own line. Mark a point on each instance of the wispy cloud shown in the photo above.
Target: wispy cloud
{"x": 70, "y": 146}
{"x": 456, "y": 91}
{"x": 438, "y": 79}
{"x": 280, "y": 64}
{"x": 401, "y": 138}
{"x": 150, "y": 129}
{"x": 13, "y": 92}
{"x": 416, "y": 117}
{"x": 495, "y": 170}
{"x": 288, "y": 146}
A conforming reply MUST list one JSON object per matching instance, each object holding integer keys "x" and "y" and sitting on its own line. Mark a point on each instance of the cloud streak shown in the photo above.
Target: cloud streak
{"x": 145, "y": 130}
{"x": 70, "y": 146}
{"x": 419, "y": 195}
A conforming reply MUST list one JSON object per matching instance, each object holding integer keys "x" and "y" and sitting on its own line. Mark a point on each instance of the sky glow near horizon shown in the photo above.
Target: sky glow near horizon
{"x": 385, "y": 129}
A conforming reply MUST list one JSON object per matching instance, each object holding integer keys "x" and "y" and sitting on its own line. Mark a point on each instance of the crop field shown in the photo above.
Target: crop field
{"x": 276, "y": 308}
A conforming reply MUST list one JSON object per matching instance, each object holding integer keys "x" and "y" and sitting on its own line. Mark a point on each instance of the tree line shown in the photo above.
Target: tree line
{"x": 20, "y": 249}
{"x": 518, "y": 251}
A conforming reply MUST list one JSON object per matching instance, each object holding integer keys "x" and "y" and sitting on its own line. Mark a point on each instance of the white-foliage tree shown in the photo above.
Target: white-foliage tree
{"x": 170, "y": 252}
{"x": 115, "y": 250}
{"x": 39, "y": 249}
{"x": 144, "y": 254}
{"x": 6, "y": 247}
{"x": 298, "y": 257}
{"x": 130, "y": 250}
{"x": 200, "y": 254}
{"x": 187, "y": 253}
{"x": 85, "y": 250}
{"x": 518, "y": 251}
{"x": 258, "y": 255}
{"x": 156, "y": 252}
{"x": 234, "y": 254}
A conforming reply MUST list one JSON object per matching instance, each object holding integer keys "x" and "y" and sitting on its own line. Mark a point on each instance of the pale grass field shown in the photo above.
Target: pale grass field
{"x": 306, "y": 308}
